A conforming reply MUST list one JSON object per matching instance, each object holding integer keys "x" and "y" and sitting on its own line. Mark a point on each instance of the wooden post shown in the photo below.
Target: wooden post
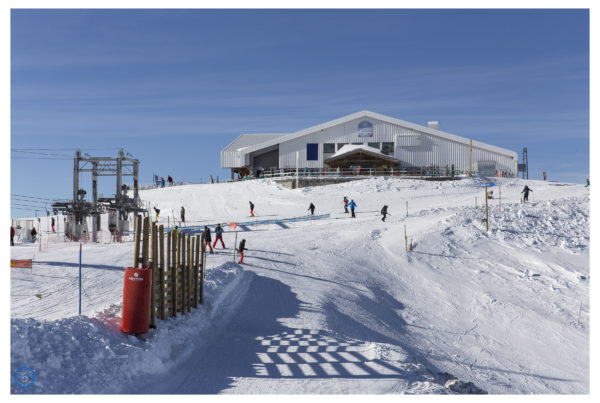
{"x": 145, "y": 245}
{"x": 169, "y": 267}
{"x": 202, "y": 265}
{"x": 153, "y": 265}
{"x": 486, "y": 210}
{"x": 182, "y": 266}
{"x": 161, "y": 271}
{"x": 476, "y": 202}
{"x": 405, "y": 239}
{"x": 470, "y": 152}
{"x": 138, "y": 238}
{"x": 188, "y": 278}
{"x": 199, "y": 239}
{"x": 174, "y": 243}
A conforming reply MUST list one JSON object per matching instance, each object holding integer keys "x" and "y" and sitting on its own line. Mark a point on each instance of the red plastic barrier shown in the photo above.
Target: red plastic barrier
{"x": 136, "y": 300}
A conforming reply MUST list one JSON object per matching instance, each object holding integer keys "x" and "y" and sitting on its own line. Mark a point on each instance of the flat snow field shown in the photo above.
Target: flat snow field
{"x": 335, "y": 305}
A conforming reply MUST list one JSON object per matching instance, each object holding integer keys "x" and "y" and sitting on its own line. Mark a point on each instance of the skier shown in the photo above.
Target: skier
{"x": 352, "y": 205}
{"x": 219, "y": 236}
{"x": 162, "y": 182}
{"x": 33, "y": 234}
{"x": 525, "y": 192}
{"x": 170, "y": 180}
{"x": 384, "y": 212}
{"x": 241, "y": 249}
{"x": 251, "y": 209}
{"x": 157, "y": 211}
{"x": 182, "y": 214}
{"x": 207, "y": 238}
{"x": 53, "y": 225}
{"x": 12, "y": 236}
{"x": 587, "y": 183}
{"x": 312, "y": 209}
{"x": 345, "y": 204}
{"x": 211, "y": 179}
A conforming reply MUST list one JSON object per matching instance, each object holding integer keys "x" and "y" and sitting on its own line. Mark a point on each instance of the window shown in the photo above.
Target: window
{"x": 312, "y": 152}
{"x": 387, "y": 148}
{"x": 374, "y": 145}
{"x": 328, "y": 148}
{"x": 340, "y": 145}
{"x": 357, "y": 144}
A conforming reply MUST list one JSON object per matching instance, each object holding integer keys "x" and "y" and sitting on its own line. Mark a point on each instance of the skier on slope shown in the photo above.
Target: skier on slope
{"x": 312, "y": 209}
{"x": 251, "y": 209}
{"x": 170, "y": 180}
{"x": 241, "y": 249}
{"x": 345, "y": 204}
{"x": 12, "y": 236}
{"x": 53, "y": 225}
{"x": 352, "y": 205}
{"x": 219, "y": 236}
{"x": 525, "y": 192}
{"x": 33, "y": 234}
{"x": 157, "y": 211}
{"x": 182, "y": 214}
{"x": 384, "y": 212}
{"x": 207, "y": 238}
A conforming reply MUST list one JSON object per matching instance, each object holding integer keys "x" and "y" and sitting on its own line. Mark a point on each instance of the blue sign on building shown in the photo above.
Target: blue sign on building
{"x": 365, "y": 129}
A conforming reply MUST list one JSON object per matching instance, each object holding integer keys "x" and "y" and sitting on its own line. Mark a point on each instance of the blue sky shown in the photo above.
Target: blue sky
{"x": 174, "y": 87}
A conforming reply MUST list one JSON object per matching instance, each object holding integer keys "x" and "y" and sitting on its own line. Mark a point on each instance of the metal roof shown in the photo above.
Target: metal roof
{"x": 368, "y": 114}
{"x": 247, "y": 140}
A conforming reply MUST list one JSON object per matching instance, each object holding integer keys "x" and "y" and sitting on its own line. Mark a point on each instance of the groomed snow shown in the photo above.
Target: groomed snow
{"x": 334, "y": 305}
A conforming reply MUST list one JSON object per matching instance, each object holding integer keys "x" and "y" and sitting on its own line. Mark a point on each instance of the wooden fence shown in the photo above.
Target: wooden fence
{"x": 177, "y": 270}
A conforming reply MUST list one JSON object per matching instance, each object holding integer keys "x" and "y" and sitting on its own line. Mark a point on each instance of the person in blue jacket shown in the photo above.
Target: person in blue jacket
{"x": 352, "y": 205}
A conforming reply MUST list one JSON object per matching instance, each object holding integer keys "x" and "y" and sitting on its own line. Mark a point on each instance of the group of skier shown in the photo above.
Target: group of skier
{"x": 219, "y": 237}
{"x": 157, "y": 211}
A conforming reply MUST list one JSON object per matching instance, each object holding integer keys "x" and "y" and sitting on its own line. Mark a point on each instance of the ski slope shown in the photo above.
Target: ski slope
{"x": 335, "y": 305}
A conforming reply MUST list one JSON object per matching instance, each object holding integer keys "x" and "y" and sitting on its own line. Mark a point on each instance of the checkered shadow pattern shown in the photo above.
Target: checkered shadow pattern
{"x": 303, "y": 353}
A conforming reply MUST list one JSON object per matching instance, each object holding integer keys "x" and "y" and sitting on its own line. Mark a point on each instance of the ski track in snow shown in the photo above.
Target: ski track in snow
{"x": 333, "y": 306}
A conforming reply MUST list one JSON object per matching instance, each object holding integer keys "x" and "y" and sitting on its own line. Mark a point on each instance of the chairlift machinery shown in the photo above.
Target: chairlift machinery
{"x": 118, "y": 206}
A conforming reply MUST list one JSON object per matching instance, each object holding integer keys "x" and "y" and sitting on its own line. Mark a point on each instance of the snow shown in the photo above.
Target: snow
{"x": 348, "y": 148}
{"x": 331, "y": 306}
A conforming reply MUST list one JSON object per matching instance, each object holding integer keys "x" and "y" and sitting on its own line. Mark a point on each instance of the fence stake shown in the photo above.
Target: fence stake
{"x": 174, "y": 245}
{"x": 182, "y": 265}
{"x": 188, "y": 277}
{"x": 405, "y": 239}
{"x": 154, "y": 268}
{"x": 202, "y": 264}
{"x": 162, "y": 271}
{"x": 199, "y": 240}
{"x": 79, "y": 278}
{"x": 145, "y": 245}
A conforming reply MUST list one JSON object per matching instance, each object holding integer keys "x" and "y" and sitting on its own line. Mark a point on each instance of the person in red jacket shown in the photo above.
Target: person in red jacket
{"x": 12, "y": 236}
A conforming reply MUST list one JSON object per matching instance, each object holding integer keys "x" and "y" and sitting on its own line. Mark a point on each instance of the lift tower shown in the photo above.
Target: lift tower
{"x": 118, "y": 206}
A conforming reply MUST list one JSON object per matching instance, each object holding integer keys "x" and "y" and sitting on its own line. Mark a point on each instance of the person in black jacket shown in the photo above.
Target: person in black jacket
{"x": 33, "y": 235}
{"x": 525, "y": 192}
{"x": 182, "y": 214}
{"x": 345, "y": 204}
{"x": 241, "y": 249}
{"x": 312, "y": 209}
{"x": 207, "y": 238}
{"x": 384, "y": 212}
{"x": 157, "y": 211}
{"x": 219, "y": 236}
{"x": 251, "y": 209}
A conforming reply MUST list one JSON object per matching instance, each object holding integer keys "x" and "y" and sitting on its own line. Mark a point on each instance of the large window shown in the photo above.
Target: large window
{"x": 312, "y": 152}
{"x": 387, "y": 148}
{"x": 328, "y": 148}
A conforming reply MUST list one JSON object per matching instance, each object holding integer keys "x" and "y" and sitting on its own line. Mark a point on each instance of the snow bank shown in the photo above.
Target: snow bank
{"x": 91, "y": 355}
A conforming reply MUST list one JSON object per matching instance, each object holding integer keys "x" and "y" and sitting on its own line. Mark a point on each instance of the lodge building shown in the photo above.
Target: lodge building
{"x": 365, "y": 140}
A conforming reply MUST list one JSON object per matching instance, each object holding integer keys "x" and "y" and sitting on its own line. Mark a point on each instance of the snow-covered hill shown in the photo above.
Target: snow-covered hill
{"x": 334, "y": 305}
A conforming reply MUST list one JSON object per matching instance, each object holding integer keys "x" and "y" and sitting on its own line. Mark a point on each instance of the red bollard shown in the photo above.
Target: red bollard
{"x": 136, "y": 300}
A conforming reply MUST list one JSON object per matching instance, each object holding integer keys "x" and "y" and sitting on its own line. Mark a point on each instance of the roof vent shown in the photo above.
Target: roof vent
{"x": 433, "y": 125}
